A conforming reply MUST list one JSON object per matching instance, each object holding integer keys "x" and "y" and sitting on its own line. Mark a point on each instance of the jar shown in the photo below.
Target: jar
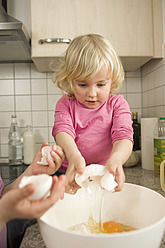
{"x": 29, "y": 147}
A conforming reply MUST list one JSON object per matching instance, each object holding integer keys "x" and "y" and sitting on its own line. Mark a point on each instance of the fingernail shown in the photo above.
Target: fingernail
{"x": 54, "y": 148}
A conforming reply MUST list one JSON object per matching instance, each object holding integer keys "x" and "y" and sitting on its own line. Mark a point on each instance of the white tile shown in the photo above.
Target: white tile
{"x": 159, "y": 111}
{"x": 24, "y": 118}
{"x": 144, "y": 83}
{"x": 4, "y": 135}
{"x": 39, "y": 86}
{"x": 145, "y": 99}
{"x": 151, "y": 98}
{"x": 5, "y": 119}
{"x": 35, "y": 73}
{"x": 144, "y": 112}
{"x": 4, "y": 150}
{"x": 152, "y": 112}
{"x": 23, "y": 103}
{"x": 22, "y": 86}
{"x": 164, "y": 75}
{"x": 52, "y": 88}
{"x": 41, "y": 134}
{"x": 133, "y": 84}
{"x": 40, "y": 119}
{"x": 22, "y": 70}
{"x": 158, "y": 96}
{"x": 134, "y": 100}
{"x": 6, "y": 87}
{"x": 123, "y": 88}
{"x": 39, "y": 102}
{"x": 50, "y": 75}
{"x": 164, "y": 95}
{"x": 151, "y": 80}
{"x": 159, "y": 77}
{"x": 6, "y": 103}
{"x": 51, "y": 118}
{"x": 6, "y": 71}
{"x": 51, "y": 138}
{"x": 52, "y": 100}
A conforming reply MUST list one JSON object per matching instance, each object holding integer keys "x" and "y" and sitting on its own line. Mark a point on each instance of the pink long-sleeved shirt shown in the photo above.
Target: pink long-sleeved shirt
{"x": 94, "y": 130}
{"x": 3, "y": 242}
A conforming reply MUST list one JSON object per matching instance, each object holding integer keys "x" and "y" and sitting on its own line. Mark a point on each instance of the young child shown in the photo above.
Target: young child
{"x": 14, "y": 202}
{"x": 92, "y": 125}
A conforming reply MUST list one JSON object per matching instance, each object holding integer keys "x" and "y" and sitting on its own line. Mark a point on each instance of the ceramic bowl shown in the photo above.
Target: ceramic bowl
{"x": 135, "y": 205}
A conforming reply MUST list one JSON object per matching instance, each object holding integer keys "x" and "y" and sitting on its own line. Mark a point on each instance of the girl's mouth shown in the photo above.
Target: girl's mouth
{"x": 91, "y": 102}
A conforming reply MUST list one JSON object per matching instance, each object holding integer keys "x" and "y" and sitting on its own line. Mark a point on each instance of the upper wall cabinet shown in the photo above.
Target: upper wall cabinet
{"x": 134, "y": 27}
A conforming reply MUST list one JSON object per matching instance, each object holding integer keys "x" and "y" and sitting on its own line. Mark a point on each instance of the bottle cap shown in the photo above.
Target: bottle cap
{"x": 134, "y": 115}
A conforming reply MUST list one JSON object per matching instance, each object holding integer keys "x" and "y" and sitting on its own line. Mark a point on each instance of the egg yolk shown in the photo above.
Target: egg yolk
{"x": 111, "y": 227}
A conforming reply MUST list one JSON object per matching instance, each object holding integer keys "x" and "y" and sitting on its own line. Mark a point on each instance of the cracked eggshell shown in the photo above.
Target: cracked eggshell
{"x": 42, "y": 185}
{"x": 45, "y": 154}
{"x": 90, "y": 171}
{"x": 99, "y": 174}
{"x": 108, "y": 182}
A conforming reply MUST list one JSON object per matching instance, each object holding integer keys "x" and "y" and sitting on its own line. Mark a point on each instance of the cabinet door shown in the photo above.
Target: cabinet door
{"x": 126, "y": 23}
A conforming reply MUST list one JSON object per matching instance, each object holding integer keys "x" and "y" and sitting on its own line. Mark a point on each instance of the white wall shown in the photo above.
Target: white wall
{"x": 32, "y": 96}
{"x": 153, "y": 84}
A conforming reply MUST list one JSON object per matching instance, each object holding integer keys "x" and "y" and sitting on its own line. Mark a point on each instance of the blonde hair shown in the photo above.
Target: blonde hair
{"x": 85, "y": 56}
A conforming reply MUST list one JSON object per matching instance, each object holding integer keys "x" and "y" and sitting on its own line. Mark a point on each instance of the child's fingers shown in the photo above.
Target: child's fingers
{"x": 58, "y": 150}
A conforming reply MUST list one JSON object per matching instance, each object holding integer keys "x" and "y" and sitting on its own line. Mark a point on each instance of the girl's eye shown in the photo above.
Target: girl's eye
{"x": 82, "y": 85}
{"x": 100, "y": 85}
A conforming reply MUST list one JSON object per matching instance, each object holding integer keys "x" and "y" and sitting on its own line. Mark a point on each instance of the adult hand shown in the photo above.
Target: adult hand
{"x": 58, "y": 156}
{"x": 15, "y": 203}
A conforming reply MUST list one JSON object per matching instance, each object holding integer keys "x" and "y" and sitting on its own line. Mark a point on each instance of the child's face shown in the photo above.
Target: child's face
{"x": 94, "y": 91}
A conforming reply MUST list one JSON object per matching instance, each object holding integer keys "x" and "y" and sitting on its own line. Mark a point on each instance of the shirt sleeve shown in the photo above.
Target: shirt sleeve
{"x": 122, "y": 123}
{"x": 63, "y": 118}
{"x": 1, "y": 186}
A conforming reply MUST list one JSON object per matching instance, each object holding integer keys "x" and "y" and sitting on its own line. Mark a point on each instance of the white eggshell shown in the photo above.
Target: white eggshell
{"x": 108, "y": 182}
{"x": 45, "y": 154}
{"x": 99, "y": 174}
{"x": 42, "y": 185}
{"x": 90, "y": 172}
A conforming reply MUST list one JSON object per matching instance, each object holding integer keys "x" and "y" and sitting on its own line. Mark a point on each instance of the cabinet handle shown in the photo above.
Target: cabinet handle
{"x": 54, "y": 40}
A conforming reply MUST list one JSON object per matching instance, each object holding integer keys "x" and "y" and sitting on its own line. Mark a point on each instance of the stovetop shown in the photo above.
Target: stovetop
{"x": 11, "y": 172}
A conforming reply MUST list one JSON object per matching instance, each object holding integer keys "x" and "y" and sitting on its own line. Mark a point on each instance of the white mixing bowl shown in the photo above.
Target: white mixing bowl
{"x": 135, "y": 205}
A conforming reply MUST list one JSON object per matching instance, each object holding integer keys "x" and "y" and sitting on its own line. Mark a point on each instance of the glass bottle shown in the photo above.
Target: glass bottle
{"x": 29, "y": 149}
{"x": 15, "y": 144}
{"x": 159, "y": 145}
{"x": 161, "y": 127}
{"x": 137, "y": 132}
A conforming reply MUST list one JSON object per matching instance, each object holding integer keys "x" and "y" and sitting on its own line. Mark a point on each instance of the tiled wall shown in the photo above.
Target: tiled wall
{"x": 153, "y": 88}
{"x": 33, "y": 96}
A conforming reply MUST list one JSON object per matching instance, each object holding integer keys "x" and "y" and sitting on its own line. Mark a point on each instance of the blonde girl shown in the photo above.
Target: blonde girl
{"x": 92, "y": 125}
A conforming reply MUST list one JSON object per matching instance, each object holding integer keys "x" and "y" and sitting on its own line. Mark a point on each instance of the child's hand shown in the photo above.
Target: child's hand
{"x": 58, "y": 156}
{"x": 15, "y": 203}
{"x": 116, "y": 168}
{"x": 76, "y": 165}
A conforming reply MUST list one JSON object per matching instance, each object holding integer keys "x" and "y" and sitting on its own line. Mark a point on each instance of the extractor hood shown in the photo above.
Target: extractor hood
{"x": 14, "y": 40}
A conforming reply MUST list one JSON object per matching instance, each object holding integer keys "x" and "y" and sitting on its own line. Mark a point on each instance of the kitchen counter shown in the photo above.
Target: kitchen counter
{"x": 135, "y": 175}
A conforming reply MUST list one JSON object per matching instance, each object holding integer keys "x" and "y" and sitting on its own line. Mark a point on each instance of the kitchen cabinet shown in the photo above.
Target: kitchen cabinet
{"x": 134, "y": 27}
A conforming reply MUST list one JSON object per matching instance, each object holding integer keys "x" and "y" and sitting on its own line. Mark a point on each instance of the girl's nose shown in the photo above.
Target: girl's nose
{"x": 91, "y": 92}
